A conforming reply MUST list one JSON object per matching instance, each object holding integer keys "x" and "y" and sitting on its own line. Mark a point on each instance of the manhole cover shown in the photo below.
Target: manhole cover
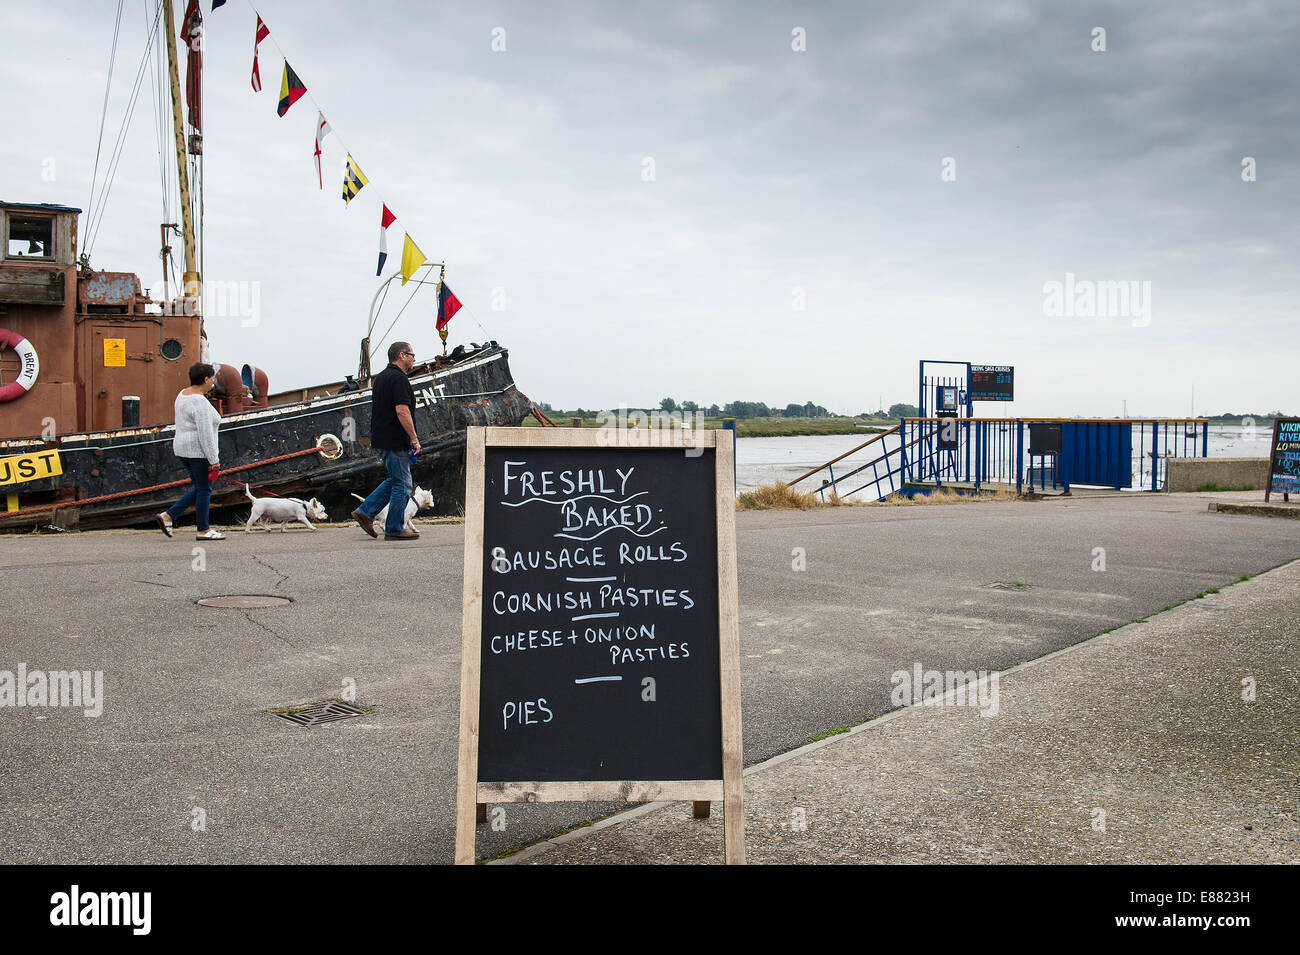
{"x": 244, "y": 601}
{"x": 325, "y": 712}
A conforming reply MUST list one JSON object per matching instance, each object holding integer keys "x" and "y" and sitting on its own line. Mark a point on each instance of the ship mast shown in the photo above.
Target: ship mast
{"x": 191, "y": 274}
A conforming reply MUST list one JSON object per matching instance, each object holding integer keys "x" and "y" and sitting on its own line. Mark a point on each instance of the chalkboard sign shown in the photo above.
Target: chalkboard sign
{"x": 600, "y": 655}
{"x": 992, "y": 383}
{"x": 1284, "y": 459}
{"x": 1045, "y": 437}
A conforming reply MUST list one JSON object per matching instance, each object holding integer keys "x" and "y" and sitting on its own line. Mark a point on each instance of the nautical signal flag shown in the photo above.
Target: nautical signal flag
{"x": 448, "y": 305}
{"x": 412, "y": 258}
{"x": 353, "y": 180}
{"x": 386, "y": 219}
{"x": 322, "y": 130}
{"x": 262, "y": 33}
{"x": 291, "y": 88}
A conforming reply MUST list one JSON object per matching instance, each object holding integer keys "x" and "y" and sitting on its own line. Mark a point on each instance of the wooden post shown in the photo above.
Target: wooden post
{"x": 733, "y": 782}
{"x": 472, "y": 615}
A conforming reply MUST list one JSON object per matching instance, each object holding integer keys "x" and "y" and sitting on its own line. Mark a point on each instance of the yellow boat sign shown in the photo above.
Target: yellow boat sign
{"x": 22, "y": 468}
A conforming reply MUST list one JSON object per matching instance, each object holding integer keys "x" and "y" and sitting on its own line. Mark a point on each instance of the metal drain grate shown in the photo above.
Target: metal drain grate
{"x": 244, "y": 601}
{"x": 326, "y": 712}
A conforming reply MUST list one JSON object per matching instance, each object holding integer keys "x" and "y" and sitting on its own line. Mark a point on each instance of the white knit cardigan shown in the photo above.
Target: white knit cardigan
{"x": 196, "y": 428}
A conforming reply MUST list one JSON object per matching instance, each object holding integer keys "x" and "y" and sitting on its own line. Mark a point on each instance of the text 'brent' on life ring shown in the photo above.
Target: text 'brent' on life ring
{"x": 29, "y": 365}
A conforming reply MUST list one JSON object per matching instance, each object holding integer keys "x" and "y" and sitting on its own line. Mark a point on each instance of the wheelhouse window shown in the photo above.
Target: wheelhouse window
{"x": 30, "y": 237}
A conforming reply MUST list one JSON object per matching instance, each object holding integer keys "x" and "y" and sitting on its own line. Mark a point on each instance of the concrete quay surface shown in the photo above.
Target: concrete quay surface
{"x": 1140, "y": 746}
{"x": 184, "y": 737}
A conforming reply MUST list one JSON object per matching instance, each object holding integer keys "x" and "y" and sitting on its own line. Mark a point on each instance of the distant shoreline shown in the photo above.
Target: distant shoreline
{"x": 764, "y": 427}
{"x": 782, "y": 427}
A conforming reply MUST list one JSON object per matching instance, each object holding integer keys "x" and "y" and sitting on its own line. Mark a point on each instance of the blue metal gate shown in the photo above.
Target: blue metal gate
{"x": 1097, "y": 453}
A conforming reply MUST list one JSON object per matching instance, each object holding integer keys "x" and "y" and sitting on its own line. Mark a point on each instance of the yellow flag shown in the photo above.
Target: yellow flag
{"x": 412, "y": 258}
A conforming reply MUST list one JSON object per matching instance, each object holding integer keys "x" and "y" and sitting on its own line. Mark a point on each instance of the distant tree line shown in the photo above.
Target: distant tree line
{"x": 747, "y": 409}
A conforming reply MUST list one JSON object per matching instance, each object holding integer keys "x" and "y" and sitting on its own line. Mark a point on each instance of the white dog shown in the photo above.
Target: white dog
{"x": 268, "y": 510}
{"x": 419, "y": 500}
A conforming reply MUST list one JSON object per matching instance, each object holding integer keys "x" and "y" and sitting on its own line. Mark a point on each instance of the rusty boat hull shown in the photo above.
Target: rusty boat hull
{"x": 476, "y": 389}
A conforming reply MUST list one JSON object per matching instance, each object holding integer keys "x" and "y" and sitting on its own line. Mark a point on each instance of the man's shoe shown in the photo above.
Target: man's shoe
{"x": 366, "y": 523}
{"x": 403, "y": 536}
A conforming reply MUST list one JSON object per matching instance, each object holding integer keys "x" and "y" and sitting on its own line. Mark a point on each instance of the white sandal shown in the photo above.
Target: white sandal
{"x": 211, "y": 534}
{"x": 165, "y": 522}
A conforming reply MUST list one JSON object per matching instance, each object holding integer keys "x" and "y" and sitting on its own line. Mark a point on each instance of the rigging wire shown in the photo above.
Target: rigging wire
{"x": 103, "y": 116}
{"x": 92, "y": 231}
{"x": 159, "y": 135}
{"x": 398, "y": 315}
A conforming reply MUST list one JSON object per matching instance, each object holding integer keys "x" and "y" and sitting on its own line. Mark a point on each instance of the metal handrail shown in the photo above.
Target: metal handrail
{"x": 873, "y": 440}
{"x": 1080, "y": 420}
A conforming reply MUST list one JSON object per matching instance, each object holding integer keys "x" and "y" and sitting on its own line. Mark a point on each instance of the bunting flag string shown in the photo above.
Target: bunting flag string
{"x": 291, "y": 89}
{"x": 386, "y": 219}
{"x": 261, "y": 34}
{"x": 322, "y": 130}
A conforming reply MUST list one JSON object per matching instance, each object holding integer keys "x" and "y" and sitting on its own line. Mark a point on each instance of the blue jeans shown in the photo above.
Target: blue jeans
{"x": 395, "y": 491}
{"x": 199, "y": 494}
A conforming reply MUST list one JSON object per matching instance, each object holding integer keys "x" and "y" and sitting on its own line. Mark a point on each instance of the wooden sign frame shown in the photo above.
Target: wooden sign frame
{"x": 472, "y": 795}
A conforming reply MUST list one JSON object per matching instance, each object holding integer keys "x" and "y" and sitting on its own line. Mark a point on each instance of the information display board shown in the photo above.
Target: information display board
{"x": 992, "y": 383}
{"x": 600, "y": 653}
{"x": 1284, "y": 459}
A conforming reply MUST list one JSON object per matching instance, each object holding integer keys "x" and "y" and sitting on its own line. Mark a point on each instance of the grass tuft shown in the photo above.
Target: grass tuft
{"x": 778, "y": 497}
{"x": 835, "y": 732}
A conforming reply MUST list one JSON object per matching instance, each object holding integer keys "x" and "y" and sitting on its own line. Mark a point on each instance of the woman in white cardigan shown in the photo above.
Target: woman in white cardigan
{"x": 196, "y": 445}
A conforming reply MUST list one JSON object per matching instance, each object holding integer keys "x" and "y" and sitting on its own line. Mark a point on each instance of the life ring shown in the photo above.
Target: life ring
{"x": 31, "y": 366}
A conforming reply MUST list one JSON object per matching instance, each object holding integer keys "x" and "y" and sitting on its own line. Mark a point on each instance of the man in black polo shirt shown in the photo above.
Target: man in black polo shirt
{"x": 392, "y": 433}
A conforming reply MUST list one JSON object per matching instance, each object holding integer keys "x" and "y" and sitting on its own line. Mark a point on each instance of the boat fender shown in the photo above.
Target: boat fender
{"x": 30, "y": 365}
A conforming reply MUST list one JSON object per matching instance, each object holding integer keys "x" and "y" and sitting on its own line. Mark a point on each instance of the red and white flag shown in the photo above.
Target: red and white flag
{"x": 322, "y": 130}
{"x": 386, "y": 219}
{"x": 262, "y": 33}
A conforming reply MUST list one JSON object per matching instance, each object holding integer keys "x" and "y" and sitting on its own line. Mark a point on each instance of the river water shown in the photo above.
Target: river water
{"x": 768, "y": 460}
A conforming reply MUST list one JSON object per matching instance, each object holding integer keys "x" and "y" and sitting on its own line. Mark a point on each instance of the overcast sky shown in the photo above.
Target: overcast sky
{"x": 798, "y": 240}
